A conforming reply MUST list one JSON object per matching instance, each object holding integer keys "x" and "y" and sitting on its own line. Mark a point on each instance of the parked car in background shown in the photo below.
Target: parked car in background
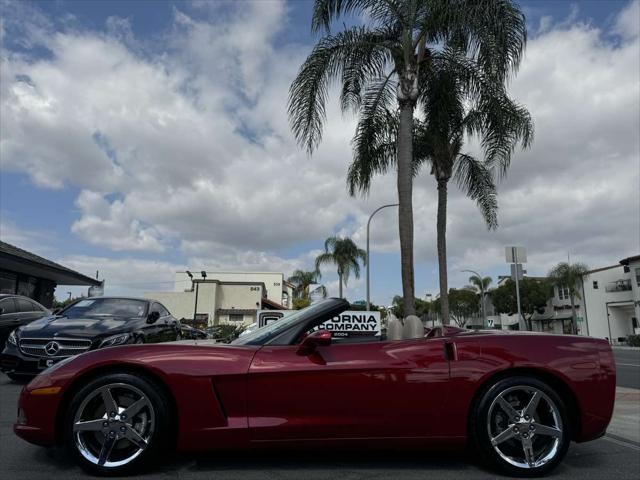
{"x": 15, "y": 311}
{"x": 516, "y": 399}
{"x": 87, "y": 324}
{"x": 189, "y": 332}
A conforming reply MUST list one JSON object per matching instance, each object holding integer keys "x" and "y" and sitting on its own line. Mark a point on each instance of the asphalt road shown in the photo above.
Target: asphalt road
{"x": 627, "y": 367}
{"x": 601, "y": 459}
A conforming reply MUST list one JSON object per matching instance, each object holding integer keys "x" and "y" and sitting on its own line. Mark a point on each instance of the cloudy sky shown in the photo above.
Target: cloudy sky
{"x": 140, "y": 138}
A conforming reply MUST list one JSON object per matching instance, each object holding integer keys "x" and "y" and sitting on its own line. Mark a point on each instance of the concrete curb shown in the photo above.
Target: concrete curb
{"x": 623, "y": 347}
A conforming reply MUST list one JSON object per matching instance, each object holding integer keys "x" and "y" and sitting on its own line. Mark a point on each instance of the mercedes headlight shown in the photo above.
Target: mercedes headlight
{"x": 115, "y": 340}
{"x": 13, "y": 338}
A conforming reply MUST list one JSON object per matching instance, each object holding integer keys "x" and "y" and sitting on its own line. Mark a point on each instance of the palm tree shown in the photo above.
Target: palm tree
{"x": 379, "y": 67}
{"x": 569, "y": 276}
{"x": 303, "y": 280}
{"x": 480, "y": 284}
{"x": 456, "y": 102}
{"x": 343, "y": 253}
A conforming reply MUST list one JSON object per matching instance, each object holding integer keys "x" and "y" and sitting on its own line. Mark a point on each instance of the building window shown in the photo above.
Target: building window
{"x": 234, "y": 317}
{"x": 638, "y": 276}
{"x": 8, "y": 282}
{"x": 595, "y": 284}
{"x": 27, "y": 287}
{"x": 563, "y": 293}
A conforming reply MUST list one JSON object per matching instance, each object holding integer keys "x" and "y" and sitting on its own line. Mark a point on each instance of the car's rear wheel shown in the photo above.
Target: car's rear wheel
{"x": 117, "y": 423}
{"x": 520, "y": 425}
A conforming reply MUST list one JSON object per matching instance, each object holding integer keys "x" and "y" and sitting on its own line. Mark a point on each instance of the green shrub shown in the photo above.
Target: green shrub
{"x": 300, "y": 303}
{"x": 633, "y": 340}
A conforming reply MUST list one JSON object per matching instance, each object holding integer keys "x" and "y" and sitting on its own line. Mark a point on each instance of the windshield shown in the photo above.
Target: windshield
{"x": 271, "y": 330}
{"x": 107, "y": 307}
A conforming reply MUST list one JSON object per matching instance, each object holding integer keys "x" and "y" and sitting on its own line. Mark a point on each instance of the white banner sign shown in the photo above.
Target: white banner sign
{"x": 353, "y": 323}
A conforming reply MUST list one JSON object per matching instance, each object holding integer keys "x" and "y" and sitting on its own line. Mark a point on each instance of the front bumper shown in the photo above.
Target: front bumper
{"x": 37, "y": 407}
{"x": 13, "y": 361}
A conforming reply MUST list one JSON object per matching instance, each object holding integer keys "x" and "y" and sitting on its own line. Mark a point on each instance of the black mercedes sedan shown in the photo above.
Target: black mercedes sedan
{"x": 87, "y": 324}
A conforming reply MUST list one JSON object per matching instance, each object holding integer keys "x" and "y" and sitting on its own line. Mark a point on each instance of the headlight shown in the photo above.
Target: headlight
{"x": 115, "y": 340}
{"x": 13, "y": 338}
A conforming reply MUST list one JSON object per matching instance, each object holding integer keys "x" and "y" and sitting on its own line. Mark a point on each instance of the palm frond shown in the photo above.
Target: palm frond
{"x": 501, "y": 124}
{"x": 491, "y": 32}
{"x": 323, "y": 259}
{"x": 357, "y": 53}
{"x": 374, "y": 143}
{"x": 325, "y": 12}
{"x": 476, "y": 180}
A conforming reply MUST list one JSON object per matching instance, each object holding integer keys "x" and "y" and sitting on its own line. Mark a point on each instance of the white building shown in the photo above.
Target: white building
{"x": 225, "y": 297}
{"x": 611, "y": 300}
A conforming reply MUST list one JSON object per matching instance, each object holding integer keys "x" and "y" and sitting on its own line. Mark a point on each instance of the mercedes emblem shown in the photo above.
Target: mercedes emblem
{"x": 52, "y": 348}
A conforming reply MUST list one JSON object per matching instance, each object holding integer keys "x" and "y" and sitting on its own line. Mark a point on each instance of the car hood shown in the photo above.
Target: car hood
{"x": 60, "y": 326}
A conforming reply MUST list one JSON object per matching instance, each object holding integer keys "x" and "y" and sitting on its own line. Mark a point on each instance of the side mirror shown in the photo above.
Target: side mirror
{"x": 153, "y": 317}
{"x": 320, "y": 338}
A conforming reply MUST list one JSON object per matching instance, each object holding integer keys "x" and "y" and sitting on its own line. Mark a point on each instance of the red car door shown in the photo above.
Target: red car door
{"x": 358, "y": 390}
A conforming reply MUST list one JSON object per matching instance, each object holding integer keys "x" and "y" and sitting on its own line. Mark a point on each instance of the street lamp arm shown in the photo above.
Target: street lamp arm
{"x": 378, "y": 209}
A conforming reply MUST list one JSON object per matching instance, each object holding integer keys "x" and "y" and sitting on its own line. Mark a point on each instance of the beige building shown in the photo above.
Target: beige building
{"x": 217, "y": 298}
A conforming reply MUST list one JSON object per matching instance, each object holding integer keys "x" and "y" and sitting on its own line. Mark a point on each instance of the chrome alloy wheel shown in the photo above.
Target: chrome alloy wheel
{"x": 525, "y": 426}
{"x": 113, "y": 425}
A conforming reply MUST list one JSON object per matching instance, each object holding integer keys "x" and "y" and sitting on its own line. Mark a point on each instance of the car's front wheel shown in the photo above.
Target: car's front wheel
{"x": 520, "y": 425}
{"x": 117, "y": 423}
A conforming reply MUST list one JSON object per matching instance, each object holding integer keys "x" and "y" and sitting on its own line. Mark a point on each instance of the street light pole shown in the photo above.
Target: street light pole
{"x": 484, "y": 316}
{"x": 368, "y": 264}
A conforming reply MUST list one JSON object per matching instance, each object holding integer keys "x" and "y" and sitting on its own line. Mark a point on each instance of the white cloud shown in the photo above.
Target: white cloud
{"x": 111, "y": 225}
{"x": 627, "y": 23}
{"x": 188, "y": 144}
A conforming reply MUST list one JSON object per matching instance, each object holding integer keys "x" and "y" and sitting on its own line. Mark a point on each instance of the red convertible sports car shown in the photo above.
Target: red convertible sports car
{"x": 517, "y": 399}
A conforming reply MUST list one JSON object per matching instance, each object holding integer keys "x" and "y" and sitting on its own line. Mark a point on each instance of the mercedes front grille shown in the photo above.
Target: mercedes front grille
{"x": 54, "y": 347}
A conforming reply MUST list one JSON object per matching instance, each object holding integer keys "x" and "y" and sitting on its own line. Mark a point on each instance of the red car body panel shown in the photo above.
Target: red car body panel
{"x": 361, "y": 390}
{"x": 409, "y": 391}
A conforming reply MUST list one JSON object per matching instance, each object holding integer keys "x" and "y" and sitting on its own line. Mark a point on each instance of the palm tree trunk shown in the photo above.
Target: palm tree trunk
{"x": 574, "y": 319}
{"x": 340, "y": 283}
{"x": 405, "y": 209}
{"x": 442, "y": 249}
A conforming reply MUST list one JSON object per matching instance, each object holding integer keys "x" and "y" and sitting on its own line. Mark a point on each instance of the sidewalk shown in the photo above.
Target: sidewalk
{"x": 626, "y": 415}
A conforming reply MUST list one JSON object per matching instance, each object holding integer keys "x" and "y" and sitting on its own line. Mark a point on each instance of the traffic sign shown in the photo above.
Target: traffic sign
{"x": 515, "y": 254}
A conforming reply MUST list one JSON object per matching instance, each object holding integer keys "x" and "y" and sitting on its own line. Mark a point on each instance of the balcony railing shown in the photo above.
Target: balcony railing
{"x": 619, "y": 286}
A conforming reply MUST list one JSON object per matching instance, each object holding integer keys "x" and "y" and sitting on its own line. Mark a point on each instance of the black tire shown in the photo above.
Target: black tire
{"x": 480, "y": 425}
{"x": 139, "y": 340}
{"x": 158, "y": 440}
{"x": 19, "y": 378}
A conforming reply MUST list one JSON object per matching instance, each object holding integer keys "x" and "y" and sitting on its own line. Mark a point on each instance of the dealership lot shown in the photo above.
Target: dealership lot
{"x": 603, "y": 458}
